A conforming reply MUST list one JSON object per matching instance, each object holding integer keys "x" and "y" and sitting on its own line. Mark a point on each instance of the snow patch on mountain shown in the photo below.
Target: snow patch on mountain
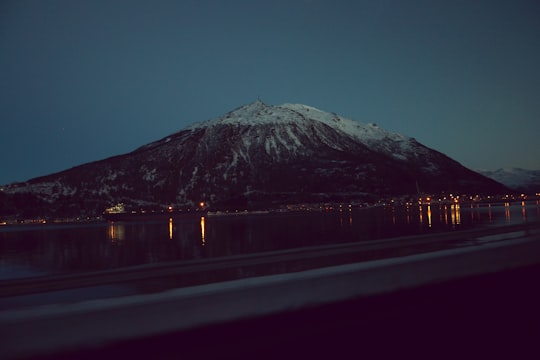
{"x": 149, "y": 175}
{"x": 363, "y": 132}
{"x": 49, "y": 191}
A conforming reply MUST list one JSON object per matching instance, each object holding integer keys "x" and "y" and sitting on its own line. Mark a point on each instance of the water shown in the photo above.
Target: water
{"x": 39, "y": 250}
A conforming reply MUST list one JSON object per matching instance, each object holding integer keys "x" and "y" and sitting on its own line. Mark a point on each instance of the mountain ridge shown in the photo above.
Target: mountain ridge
{"x": 256, "y": 155}
{"x": 519, "y": 179}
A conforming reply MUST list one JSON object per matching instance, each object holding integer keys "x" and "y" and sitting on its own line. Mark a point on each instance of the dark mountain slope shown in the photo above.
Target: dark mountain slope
{"x": 255, "y": 156}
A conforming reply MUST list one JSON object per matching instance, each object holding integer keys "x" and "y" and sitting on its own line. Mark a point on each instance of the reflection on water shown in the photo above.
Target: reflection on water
{"x": 116, "y": 233}
{"x": 455, "y": 211}
{"x": 443, "y": 210}
{"x": 54, "y": 248}
{"x": 203, "y": 241}
{"x": 346, "y": 222}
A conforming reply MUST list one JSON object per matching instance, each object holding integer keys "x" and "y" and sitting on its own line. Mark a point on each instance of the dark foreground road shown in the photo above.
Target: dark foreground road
{"x": 489, "y": 316}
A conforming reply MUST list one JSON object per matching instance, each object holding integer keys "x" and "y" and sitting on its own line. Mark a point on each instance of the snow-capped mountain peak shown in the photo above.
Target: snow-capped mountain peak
{"x": 302, "y": 116}
{"x": 254, "y": 113}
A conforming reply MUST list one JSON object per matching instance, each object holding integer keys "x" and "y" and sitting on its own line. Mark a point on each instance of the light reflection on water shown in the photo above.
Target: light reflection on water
{"x": 116, "y": 233}
{"x": 40, "y": 249}
{"x": 203, "y": 229}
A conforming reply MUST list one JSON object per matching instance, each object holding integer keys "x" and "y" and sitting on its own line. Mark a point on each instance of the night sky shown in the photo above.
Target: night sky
{"x": 84, "y": 80}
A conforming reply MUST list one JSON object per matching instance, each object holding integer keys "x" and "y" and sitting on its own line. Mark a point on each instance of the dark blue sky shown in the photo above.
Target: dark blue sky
{"x": 85, "y": 80}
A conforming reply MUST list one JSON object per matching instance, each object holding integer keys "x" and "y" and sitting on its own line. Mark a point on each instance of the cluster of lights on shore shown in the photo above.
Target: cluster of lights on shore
{"x": 202, "y": 205}
{"x": 450, "y": 213}
{"x": 455, "y": 199}
{"x": 422, "y": 200}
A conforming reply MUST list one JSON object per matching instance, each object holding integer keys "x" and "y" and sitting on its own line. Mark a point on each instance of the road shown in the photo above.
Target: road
{"x": 485, "y": 316}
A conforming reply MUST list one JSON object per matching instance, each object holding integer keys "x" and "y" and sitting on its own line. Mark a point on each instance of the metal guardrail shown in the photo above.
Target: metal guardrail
{"x": 155, "y": 277}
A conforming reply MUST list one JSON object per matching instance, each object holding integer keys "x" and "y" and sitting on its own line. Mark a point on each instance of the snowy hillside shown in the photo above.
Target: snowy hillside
{"x": 516, "y": 178}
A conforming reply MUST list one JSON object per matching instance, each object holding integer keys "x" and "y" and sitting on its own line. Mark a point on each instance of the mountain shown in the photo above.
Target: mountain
{"x": 523, "y": 180}
{"x": 255, "y": 156}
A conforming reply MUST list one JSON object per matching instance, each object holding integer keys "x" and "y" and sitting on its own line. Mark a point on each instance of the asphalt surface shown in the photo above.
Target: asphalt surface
{"x": 485, "y": 316}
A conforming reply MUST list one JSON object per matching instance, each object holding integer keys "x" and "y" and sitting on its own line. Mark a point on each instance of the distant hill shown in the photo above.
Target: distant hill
{"x": 255, "y": 156}
{"x": 523, "y": 180}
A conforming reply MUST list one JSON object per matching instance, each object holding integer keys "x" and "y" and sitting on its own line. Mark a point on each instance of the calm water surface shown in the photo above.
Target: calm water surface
{"x": 39, "y": 250}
